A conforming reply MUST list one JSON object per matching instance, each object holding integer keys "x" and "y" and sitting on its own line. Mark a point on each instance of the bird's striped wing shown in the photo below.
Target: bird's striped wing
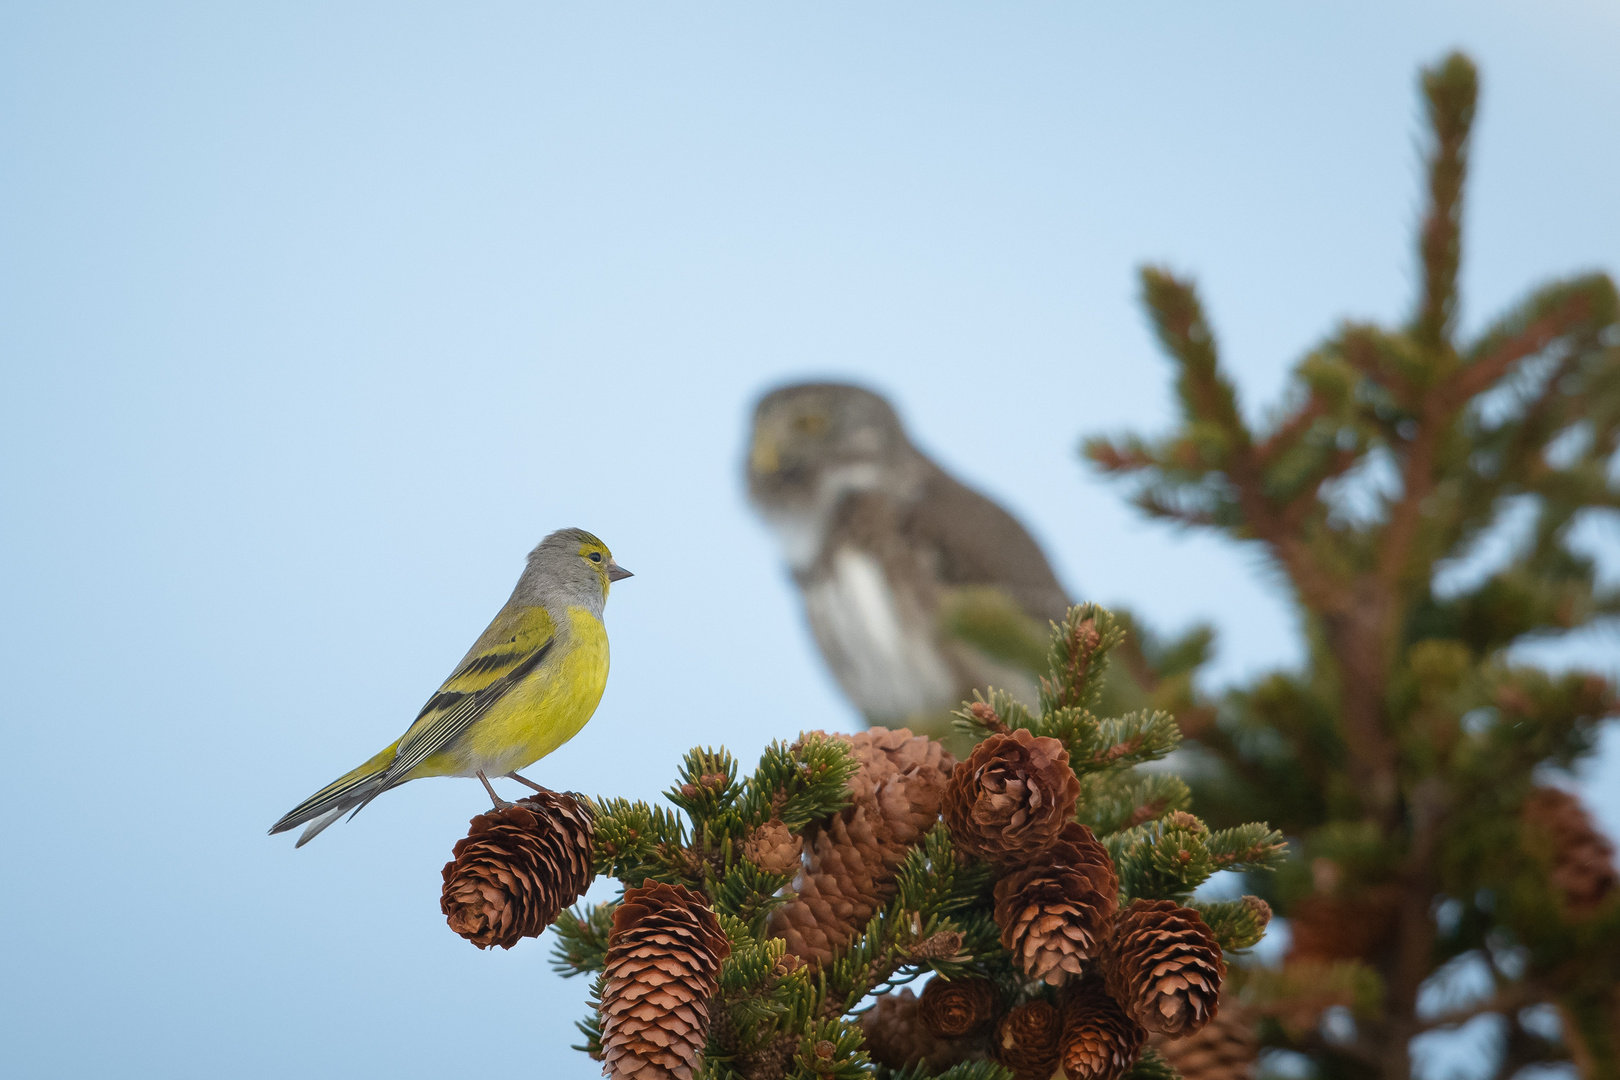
{"x": 513, "y": 646}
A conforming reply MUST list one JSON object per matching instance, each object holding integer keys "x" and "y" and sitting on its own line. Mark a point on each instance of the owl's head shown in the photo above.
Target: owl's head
{"x": 815, "y": 442}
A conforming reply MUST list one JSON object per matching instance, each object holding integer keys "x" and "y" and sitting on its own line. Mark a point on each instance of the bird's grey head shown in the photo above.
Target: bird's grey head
{"x": 569, "y": 568}
{"x": 813, "y": 444}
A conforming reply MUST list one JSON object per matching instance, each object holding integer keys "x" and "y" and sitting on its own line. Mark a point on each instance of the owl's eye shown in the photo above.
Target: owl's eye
{"x": 811, "y": 423}
{"x": 596, "y": 556}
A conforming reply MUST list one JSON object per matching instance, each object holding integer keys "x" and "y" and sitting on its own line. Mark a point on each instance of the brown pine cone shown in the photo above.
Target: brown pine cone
{"x": 952, "y": 1008}
{"x": 1165, "y": 968}
{"x": 1339, "y": 923}
{"x": 1011, "y": 797}
{"x": 1055, "y": 911}
{"x": 517, "y": 868}
{"x": 1224, "y": 1050}
{"x": 1582, "y": 858}
{"x": 1027, "y": 1041}
{"x": 851, "y": 860}
{"x": 1099, "y": 1042}
{"x": 773, "y": 849}
{"x": 663, "y": 965}
{"x": 897, "y": 1037}
{"x": 905, "y": 776}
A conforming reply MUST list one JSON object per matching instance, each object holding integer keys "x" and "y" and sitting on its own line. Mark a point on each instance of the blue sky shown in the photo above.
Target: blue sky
{"x": 314, "y": 318}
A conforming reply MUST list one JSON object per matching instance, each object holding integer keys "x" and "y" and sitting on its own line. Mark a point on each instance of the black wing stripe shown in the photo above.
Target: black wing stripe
{"x": 453, "y": 723}
{"x": 493, "y": 661}
{"x": 444, "y": 699}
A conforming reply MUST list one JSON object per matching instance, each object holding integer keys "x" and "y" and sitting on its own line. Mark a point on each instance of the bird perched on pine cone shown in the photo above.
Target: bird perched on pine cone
{"x": 528, "y": 684}
{"x": 918, "y": 588}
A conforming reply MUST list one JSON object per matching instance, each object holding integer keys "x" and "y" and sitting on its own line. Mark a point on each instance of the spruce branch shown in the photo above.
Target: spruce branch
{"x": 1133, "y": 739}
{"x": 1450, "y": 90}
{"x": 1077, "y": 658}
{"x": 1151, "y": 1066}
{"x": 1162, "y": 860}
{"x": 832, "y": 1050}
{"x": 1236, "y": 924}
{"x": 1577, "y": 309}
{"x": 591, "y": 1027}
{"x": 1115, "y": 800}
{"x": 635, "y": 841}
{"x": 1247, "y": 847}
{"x": 975, "y": 1070}
{"x": 748, "y": 893}
{"x": 581, "y": 941}
{"x": 707, "y": 786}
{"x": 999, "y": 715}
{"x": 934, "y": 889}
{"x": 800, "y": 783}
{"x": 1207, "y": 395}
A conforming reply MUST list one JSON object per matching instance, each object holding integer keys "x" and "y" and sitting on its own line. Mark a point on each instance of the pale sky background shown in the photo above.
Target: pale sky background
{"x": 314, "y": 318}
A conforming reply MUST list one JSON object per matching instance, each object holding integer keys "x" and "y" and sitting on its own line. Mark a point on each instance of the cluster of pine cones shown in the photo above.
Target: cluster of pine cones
{"x": 1116, "y": 976}
{"x": 1092, "y": 981}
{"x": 521, "y": 865}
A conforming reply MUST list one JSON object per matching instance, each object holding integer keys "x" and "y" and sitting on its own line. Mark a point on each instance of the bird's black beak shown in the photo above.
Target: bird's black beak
{"x": 617, "y": 572}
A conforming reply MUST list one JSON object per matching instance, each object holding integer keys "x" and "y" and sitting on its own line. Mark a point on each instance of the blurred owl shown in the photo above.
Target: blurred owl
{"x": 887, "y": 549}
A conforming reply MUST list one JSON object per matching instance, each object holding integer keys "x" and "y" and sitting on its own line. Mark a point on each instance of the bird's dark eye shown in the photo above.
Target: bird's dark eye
{"x": 596, "y": 556}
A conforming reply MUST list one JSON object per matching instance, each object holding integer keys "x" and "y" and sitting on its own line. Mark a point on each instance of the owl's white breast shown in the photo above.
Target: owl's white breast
{"x": 802, "y": 529}
{"x": 800, "y": 535}
{"x": 878, "y": 643}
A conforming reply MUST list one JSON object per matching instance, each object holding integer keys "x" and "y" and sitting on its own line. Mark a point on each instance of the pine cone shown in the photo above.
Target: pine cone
{"x": 1027, "y": 1041}
{"x": 1055, "y": 912}
{"x": 517, "y": 869}
{"x": 851, "y": 860}
{"x": 1582, "y": 858}
{"x": 1327, "y": 927}
{"x": 1166, "y": 968}
{"x": 905, "y": 775}
{"x": 953, "y": 1008}
{"x": 663, "y": 964}
{"x": 897, "y": 1037}
{"x": 1011, "y": 797}
{"x": 1224, "y": 1050}
{"x": 1099, "y": 1042}
{"x": 773, "y": 849}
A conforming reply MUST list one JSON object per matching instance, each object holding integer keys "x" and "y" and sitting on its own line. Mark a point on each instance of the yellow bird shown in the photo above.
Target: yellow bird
{"x": 526, "y": 686}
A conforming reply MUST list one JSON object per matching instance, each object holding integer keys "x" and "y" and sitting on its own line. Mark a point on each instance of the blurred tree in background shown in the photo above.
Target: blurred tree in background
{"x": 1435, "y": 878}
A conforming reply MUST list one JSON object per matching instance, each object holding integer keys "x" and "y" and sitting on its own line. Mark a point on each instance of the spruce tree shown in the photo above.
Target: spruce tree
{"x": 1407, "y": 759}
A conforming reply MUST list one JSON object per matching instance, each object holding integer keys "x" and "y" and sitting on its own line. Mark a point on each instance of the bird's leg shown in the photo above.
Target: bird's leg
{"x": 500, "y": 803}
{"x": 530, "y": 784}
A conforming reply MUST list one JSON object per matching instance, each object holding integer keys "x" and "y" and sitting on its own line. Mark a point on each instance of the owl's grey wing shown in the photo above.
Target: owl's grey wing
{"x": 972, "y": 541}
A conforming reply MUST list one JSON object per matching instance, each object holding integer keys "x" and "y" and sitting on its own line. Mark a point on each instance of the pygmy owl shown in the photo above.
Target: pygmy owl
{"x": 879, "y": 539}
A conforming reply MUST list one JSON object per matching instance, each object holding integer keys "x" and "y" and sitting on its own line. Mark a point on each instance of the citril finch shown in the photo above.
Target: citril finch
{"x": 528, "y": 684}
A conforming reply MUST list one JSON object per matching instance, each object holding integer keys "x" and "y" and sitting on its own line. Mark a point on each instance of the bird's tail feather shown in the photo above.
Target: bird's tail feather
{"x": 320, "y": 823}
{"x": 348, "y": 791}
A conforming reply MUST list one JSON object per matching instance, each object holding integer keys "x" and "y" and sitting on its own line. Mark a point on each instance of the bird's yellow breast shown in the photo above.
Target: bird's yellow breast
{"x": 546, "y": 709}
